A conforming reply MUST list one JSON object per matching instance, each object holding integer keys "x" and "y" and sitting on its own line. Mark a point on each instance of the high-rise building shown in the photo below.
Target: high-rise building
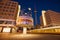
{"x": 8, "y": 12}
{"x": 50, "y": 18}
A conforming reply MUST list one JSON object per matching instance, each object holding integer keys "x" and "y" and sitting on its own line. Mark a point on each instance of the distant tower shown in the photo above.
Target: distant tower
{"x": 35, "y": 13}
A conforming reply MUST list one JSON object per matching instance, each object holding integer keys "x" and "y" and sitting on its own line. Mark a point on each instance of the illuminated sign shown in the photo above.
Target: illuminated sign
{"x": 6, "y": 29}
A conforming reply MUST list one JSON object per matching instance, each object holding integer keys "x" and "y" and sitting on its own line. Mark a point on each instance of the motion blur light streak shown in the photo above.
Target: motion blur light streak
{"x": 26, "y": 36}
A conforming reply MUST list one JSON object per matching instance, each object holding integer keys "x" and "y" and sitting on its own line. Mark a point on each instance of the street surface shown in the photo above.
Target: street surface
{"x": 18, "y": 36}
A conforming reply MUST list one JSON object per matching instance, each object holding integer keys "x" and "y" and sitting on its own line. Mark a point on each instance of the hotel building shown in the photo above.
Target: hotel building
{"x": 50, "y": 18}
{"x": 8, "y": 13}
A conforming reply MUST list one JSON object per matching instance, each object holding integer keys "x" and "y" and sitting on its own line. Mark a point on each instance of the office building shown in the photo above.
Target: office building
{"x": 8, "y": 13}
{"x": 50, "y": 18}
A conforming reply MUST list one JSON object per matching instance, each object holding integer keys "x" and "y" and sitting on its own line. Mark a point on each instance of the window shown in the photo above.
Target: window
{"x": 4, "y": 7}
{"x": 6, "y": 10}
{"x": 1, "y": 22}
{"x": 7, "y": 7}
{"x": 10, "y": 14}
{"x": 0, "y": 16}
{"x": 3, "y": 10}
{"x": 8, "y": 22}
{"x": 7, "y": 4}
{"x": 14, "y": 22}
{"x": 0, "y": 6}
{"x": 13, "y": 5}
{"x": 11, "y": 10}
{"x": 1, "y": 3}
{"x": 0, "y": 0}
{"x": 4, "y": 13}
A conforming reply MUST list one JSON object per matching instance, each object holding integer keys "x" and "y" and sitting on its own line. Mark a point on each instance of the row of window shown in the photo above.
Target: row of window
{"x": 6, "y": 14}
{"x": 11, "y": 2}
{"x": 7, "y": 22}
{"x": 10, "y": 5}
{"x": 6, "y": 10}
{"x": 7, "y": 17}
{"x": 10, "y": 8}
{"x": 7, "y": 4}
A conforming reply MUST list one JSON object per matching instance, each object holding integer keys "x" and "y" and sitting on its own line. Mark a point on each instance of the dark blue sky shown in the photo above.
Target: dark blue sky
{"x": 40, "y": 5}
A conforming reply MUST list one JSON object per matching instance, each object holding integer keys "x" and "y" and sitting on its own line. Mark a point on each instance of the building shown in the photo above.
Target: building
{"x": 25, "y": 21}
{"x": 4, "y": 0}
{"x": 50, "y": 18}
{"x": 8, "y": 13}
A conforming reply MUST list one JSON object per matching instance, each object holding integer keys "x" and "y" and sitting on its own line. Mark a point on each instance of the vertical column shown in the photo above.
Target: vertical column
{"x": 43, "y": 17}
{"x": 18, "y": 14}
{"x": 24, "y": 30}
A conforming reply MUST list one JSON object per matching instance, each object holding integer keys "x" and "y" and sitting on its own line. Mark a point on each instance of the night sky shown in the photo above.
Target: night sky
{"x": 40, "y": 5}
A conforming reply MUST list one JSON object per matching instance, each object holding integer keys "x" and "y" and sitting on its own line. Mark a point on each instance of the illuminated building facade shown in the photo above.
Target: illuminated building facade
{"x": 25, "y": 21}
{"x": 8, "y": 13}
{"x": 50, "y": 18}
